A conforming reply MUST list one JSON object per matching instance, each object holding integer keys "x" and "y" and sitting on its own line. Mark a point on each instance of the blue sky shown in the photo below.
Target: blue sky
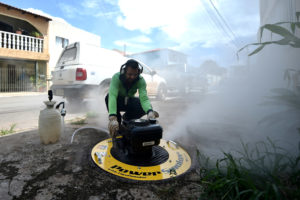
{"x": 203, "y": 29}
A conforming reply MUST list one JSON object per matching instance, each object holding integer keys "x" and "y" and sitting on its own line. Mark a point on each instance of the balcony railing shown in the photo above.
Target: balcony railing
{"x": 21, "y": 42}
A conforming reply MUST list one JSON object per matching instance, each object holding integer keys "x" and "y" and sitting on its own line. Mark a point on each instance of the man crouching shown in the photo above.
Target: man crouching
{"x": 121, "y": 96}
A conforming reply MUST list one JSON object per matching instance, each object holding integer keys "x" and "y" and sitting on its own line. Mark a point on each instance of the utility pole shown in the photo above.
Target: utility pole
{"x": 124, "y": 51}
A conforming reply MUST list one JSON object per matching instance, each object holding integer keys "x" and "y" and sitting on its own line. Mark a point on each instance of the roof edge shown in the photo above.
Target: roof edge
{"x": 24, "y": 11}
{"x": 158, "y": 49}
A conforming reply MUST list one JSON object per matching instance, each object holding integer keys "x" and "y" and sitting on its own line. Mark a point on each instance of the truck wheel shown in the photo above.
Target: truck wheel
{"x": 104, "y": 87}
{"x": 161, "y": 93}
{"x": 74, "y": 103}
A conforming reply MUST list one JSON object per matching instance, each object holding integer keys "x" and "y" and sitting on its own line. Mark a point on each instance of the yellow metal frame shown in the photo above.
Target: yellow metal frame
{"x": 178, "y": 163}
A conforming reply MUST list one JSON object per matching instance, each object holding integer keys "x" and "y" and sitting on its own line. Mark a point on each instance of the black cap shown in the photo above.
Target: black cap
{"x": 50, "y": 95}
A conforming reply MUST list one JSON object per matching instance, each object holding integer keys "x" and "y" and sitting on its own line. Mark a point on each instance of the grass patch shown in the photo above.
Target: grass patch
{"x": 8, "y": 131}
{"x": 168, "y": 191}
{"x": 78, "y": 121}
{"x": 92, "y": 115}
{"x": 263, "y": 172}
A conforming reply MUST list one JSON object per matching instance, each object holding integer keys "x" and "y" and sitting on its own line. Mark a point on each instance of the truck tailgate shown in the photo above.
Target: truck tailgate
{"x": 64, "y": 76}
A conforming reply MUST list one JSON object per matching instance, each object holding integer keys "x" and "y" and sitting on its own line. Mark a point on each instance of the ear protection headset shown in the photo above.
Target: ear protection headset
{"x": 132, "y": 63}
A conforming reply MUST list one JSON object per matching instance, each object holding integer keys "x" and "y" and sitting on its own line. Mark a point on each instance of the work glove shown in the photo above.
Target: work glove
{"x": 152, "y": 115}
{"x": 113, "y": 126}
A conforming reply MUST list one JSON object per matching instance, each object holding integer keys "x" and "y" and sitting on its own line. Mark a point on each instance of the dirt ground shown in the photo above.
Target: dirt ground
{"x": 30, "y": 170}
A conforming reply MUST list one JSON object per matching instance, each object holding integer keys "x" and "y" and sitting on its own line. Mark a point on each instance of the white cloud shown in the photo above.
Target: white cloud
{"x": 241, "y": 15}
{"x": 131, "y": 45}
{"x": 141, "y": 39}
{"x": 90, "y": 3}
{"x": 69, "y": 11}
{"x": 100, "y": 8}
{"x": 109, "y": 15}
{"x": 94, "y": 8}
{"x": 94, "y": 4}
{"x": 144, "y": 15}
{"x": 42, "y": 13}
{"x": 139, "y": 42}
{"x": 191, "y": 21}
{"x": 97, "y": 3}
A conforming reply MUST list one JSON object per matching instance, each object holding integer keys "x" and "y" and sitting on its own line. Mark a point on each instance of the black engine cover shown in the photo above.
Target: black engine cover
{"x": 144, "y": 137}
{"x": 139, "y": 136}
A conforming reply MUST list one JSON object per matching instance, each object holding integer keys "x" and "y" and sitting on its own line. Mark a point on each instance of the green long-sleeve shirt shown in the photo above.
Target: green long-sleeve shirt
{"x": 117, "y": 88}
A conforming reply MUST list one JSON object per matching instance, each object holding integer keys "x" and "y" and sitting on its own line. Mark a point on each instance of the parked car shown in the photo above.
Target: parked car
{"x": 85, "y": 70}
{"x": 156, "y": 85}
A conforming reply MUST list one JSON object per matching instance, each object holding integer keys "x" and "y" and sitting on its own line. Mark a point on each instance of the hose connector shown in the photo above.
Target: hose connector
{"x": 63, "y": 111}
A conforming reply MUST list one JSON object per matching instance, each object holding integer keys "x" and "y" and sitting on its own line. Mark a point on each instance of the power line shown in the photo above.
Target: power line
{"x": 223, "y": 20}
{"x": 221, "y": 25}
{"x": 218, "y": 24}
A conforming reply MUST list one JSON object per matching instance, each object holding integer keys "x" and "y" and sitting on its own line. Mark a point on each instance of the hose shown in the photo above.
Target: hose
{"x": 88, "y": 127}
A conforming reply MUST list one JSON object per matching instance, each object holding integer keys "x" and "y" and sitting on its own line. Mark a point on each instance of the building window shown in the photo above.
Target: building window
{"x": 61, "y": 42}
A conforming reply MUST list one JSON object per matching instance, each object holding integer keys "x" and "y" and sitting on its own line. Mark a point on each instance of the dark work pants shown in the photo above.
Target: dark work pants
{"x": 133, "y": 109}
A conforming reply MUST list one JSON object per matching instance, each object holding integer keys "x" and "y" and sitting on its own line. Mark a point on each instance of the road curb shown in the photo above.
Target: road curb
{"x": 67, "y": 122}
{"x": 19, "y": 94}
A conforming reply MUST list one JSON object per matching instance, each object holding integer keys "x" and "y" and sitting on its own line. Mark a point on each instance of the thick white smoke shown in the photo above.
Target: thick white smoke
{"x": 234, "y": 113}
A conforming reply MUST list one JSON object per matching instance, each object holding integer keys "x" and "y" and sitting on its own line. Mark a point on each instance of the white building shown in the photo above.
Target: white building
{"x": 275, "y": 58}
{"x": 273, "y": 11}
{"x": 61, "y": 34}
{"x": 30, "y": 44}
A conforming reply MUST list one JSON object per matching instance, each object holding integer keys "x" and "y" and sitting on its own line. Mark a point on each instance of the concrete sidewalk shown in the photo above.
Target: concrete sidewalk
{"x": 70, "y": 118}
{"x": 65, "y": 170}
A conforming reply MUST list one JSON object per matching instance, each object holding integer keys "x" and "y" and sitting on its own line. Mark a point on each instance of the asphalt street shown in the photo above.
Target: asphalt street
{"x": 23, "y": 111}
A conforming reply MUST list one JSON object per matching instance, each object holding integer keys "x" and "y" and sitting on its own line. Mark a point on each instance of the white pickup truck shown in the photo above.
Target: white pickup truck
{"x": 84, "y": 71}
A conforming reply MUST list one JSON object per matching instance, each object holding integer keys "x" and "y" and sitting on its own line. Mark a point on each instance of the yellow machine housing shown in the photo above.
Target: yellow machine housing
{"x": 176, "y": 163}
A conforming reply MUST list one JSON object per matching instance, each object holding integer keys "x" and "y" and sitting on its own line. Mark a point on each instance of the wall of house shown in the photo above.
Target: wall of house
{"x": 161, "y": 58}
{"x": 271, "y": 63}
{"x": 274, "y": 11}
{"x": 154, "y": 59}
